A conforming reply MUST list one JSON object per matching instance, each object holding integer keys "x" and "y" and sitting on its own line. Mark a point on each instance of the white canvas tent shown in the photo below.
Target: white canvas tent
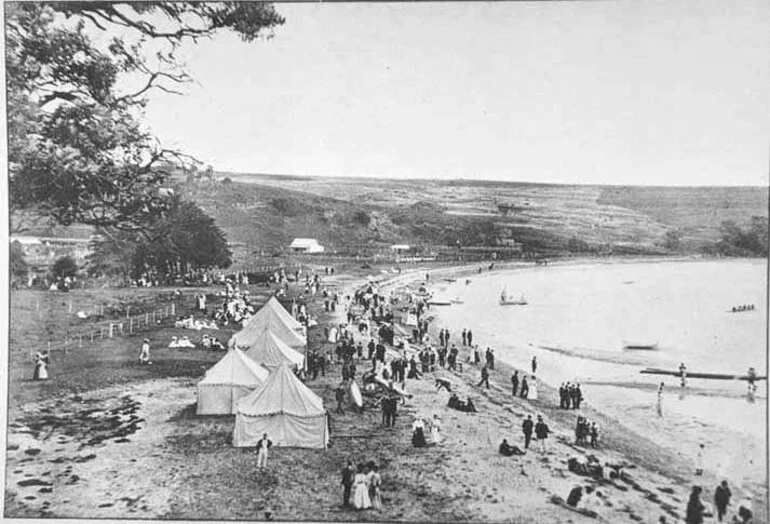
{"x": 274, "y": 307}
{"x": 268, "y": 318}
{"x": 269, "y": 351}
{"x": 285, "y": 409}
{"x": 233, "y": 377}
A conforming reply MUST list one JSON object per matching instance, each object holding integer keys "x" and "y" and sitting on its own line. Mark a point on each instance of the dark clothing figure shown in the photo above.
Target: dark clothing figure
{"x": 507, "y": 450}
{"x": 526, "y": 428}
{"x": 418, "y": 438}
{"x": 470, "y": 337}
{"x": 339, "y": 395}
{"x": 534, "y": 365}
{"x": 348, "y": 472}
{"x": 515, "y": 382}
{"x": 465, "y": 337}
{"x": 524, "y": 388}
{"x": 573, "y": 499}
{"x": 722, "y": 499}
{"x": 484, "y": 377}
{"x": 695, "y": 507}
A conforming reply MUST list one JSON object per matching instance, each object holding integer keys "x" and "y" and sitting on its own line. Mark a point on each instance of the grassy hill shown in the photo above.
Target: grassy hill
{"x": 265, "y": 212}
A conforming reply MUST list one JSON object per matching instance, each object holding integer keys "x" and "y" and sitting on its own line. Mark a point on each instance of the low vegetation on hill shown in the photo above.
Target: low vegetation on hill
{"x": 265, "y": 212}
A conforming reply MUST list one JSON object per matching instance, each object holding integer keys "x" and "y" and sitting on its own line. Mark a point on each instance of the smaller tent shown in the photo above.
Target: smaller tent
{"x": 233, "y": 377}
{"x": 285, "y": 409}
{"x": 269, "y": 351}
{"x": 269, "y": 317}
{"x": 274, "y": 307}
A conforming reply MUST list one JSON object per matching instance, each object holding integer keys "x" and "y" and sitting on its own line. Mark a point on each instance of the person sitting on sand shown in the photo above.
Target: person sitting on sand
{"x": 470, "y": 407}
{"x": 443, "y": 384}
{"x": 509, "y": 451}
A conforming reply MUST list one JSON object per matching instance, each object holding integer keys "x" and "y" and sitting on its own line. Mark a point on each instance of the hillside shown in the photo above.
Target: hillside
{"x": 265, "y": 212}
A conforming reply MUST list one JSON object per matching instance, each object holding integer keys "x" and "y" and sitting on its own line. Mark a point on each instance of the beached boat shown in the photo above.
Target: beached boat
{"x": 457, "y": 300}
{"x": 712, "y": 376}
{"x": 640, "y": 345}
{"x": 439, "y": 302}
{"x": 505, "y": 300}
{"x": 449, "y": 279}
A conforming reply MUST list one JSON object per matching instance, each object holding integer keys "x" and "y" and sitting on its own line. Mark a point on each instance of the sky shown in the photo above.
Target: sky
{"x": 652, "y": 92}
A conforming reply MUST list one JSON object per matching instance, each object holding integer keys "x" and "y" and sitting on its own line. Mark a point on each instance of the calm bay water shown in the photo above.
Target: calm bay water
{"x": 578, "y": 317}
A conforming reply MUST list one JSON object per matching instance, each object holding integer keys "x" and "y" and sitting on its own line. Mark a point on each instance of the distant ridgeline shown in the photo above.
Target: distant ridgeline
{"x": 369, "y": 215}
{"x": 262, "y": 214}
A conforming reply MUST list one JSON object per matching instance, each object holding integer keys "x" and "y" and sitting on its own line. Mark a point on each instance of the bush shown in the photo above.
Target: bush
{"x": 65, "y": 267}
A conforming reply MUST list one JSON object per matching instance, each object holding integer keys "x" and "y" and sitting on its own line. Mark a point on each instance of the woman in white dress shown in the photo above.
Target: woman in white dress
{"x": 435, "y": 430}
{"x": 374, "y": 480}
{"x": 532, "y": 388}
{"x": 41, "y": 366}
{"x": 361, "y": 490}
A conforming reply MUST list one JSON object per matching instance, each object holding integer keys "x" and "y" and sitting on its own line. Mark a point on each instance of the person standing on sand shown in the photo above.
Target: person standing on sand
{"x": 144, "y": 353}
{"x": 534, "y": 365}
{"x": 683, "y": 374}
{"x": 470, "y": 337}
{"x": 484, "y": 377}
{"x": 524, "y": 388}
{"x": 263, "y": 445}
{"x": 699, "y": 459}
{"x": 339, "y": 395}
{"x": 348, "y": 472}
{"x": 374, "y": 480}
{"x": 515, "y": 382}
{"x": 465, "y": 336}
{"x": 532, "y": 395}
{"x": 526, "y": 428}
{"x": 541, "y": 432}
{"x": 695, "y": 507}
{"x": 722, "y": 499}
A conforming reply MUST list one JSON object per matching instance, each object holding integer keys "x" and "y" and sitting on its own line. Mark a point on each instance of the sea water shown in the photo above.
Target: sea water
{"x": 579, "y": 317}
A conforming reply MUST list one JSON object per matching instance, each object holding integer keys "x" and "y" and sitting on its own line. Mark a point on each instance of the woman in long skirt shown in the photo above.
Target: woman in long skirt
{"x": 361, "y": 490}
{"x": 532, "y": 389}
{"x": 374, "y": 480}
{"x": 435, "y": 429}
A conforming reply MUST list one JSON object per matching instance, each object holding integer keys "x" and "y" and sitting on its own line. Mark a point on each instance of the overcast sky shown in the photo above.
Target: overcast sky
{"x": 637, "y": 92}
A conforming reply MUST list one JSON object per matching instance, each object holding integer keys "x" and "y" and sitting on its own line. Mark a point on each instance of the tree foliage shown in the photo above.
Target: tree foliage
{"x": 78, "y": 74}
{"x": 752, "y": 241}
{"x": 16, "y": 261}
{"x": 65, "y": 267}
{"x": 187, "y": 239}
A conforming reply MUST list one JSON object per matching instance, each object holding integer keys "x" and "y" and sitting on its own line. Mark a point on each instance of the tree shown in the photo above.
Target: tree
{"x": 187, "y": 239}
{"x": 76, "y": 148}
{"x": 16, "y": 262}
{"x": 65, "y": 267}
{"x": 672, "y": 240}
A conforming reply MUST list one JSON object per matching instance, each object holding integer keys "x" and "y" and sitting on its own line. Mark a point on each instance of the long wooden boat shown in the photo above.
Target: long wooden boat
{"x": 644, "y": 346}
{"x": 712, "y": 376}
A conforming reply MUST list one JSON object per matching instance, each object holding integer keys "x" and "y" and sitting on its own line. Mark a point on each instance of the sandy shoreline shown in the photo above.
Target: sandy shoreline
{"x": 175, "y": 465}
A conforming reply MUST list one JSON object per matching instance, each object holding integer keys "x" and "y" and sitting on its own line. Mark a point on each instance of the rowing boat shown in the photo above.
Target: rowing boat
{"x": 712, "y": 376}
{"x": 647, "y": 346}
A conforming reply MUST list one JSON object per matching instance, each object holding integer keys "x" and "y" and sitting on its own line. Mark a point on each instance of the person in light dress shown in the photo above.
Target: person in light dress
{"x": 361, "y": 490}
{"x": 435, "y": 429}
{"x": 532, "y": 388}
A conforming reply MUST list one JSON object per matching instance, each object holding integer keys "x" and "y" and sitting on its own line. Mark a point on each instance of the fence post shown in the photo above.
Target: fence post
{"x": 49, "y": 346}
{"x": 111, "y": 329}
{"x": 92, "y": 337}
{"x": 153, "y": 317}
{"x": 101, "y": 310}
{"x": 120, "y": 327}
{"x": 173, "y": 309}
{"x": 128, "y": 311}
{"x": 146, "y": 319}
{"x": 70, "y": 306}
{"x": 131, "y": 325}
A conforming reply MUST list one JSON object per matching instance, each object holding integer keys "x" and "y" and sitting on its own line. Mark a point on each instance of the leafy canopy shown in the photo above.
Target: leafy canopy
{"x": 77, "y": 150}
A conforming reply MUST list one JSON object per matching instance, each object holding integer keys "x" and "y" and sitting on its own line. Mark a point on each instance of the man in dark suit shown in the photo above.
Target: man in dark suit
{"x": 526, "y": 427}
{"x": 348, "y": 472}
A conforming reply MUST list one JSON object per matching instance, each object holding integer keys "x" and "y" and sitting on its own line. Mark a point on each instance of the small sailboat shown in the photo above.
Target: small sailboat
{"x": 505, "y": 300}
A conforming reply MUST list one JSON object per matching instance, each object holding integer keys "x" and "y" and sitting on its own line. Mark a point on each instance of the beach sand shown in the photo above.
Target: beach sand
{"x": 137, "y": 450}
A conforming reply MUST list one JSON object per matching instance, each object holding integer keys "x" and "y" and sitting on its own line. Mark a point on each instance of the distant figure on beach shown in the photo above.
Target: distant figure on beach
{"x": 541, "y": 432}
{"x": 751, "y": 374}
{"x": 470, "y": 337}
{"x": 418, "y": 434}
{"x": 339, "y": 395}
{"x": 465, "y": 337}
{"x": 722, "y": 499}
{"x": 695, "y": 507}
{"x": 476, "y": 355}
{"x": 515, "y": 382}
{"x": 41, "y": 366}
{"x": 683, "y": 375}
{"x": 144, "y": 353}
{"x": 524, "y": 388}
{"x": 660, "y": 390}
{"x": 507, "y": 450}
{"x": 534, "y": 365}
{"x": 699, "y": 459}
{"x": 594, "y": 434}
{"x": 263, "y": 446}
{"x": 361, "y": 493}
{"x": 348, "y": 472}
{"x": 526, "y": 428}
{"x": 532, "y": 388}
{"x": 435, "y": 429}
{"x": 484, "y": 377}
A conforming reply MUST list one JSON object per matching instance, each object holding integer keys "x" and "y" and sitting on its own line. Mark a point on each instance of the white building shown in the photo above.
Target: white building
{"x": 399, "y": 248}
{"x": 306, "y": 245}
